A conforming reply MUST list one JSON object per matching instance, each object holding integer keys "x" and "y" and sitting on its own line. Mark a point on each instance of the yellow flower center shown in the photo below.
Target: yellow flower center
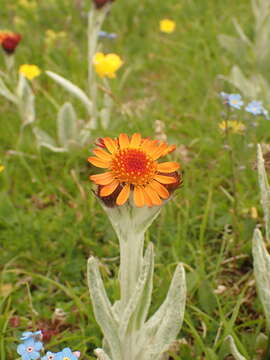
{"x": 133, "y": 166}
{"x": 66, "y": 358}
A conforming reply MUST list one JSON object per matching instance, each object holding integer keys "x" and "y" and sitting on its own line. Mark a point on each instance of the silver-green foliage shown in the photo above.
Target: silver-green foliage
{"x": 255, "y": 51}
{"x": 71, "y": 132}
{"x": 128, "y": 334}
{"x": 261, "y": 258}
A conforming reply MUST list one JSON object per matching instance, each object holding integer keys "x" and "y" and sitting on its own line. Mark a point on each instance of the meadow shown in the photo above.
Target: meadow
{"x": 50, "y": 221}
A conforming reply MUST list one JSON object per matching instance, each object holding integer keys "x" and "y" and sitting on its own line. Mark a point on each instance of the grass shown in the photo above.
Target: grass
{"x": 49, "y": 220}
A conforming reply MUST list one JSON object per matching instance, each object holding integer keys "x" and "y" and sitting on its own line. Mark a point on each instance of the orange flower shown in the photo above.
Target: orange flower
{"x": 9, "y": 41}
{"x": 133, "y": 168}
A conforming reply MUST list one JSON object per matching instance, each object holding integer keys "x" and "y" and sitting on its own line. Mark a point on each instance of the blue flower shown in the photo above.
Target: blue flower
{"x": 49, "y": 356}
{"x": 37, "y": 335}
{"x": 30, "y": 349}
{"x": 67, "y": 354}
{"x": 233, "y": 100}
{"x": 255, "y": 107}
{"x": 107, "y": 35}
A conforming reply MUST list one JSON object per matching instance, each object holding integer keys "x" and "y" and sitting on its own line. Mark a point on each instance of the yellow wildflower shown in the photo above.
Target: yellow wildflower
{"x": 107, "y": 65}
{"x": 167, "y": 26}
{"x": 234, "y": 126}
{"x": 2, "y": 168}
{"x": 29, "y": 71}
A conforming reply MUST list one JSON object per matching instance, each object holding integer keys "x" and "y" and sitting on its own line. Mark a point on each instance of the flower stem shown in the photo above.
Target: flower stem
{"x": 131, "y": 255}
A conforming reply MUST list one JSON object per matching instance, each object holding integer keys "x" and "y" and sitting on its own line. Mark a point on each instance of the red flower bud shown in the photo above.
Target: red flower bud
{"x": 100, "y": 3}
{"x": 178, "y": 181}
{"x": 10, "y": 41}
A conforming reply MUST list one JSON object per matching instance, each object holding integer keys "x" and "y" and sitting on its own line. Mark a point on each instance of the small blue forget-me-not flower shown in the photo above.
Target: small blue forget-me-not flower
{"x": 233, "y": 100}
{"x": 49, "y": 356}
{"x": 37, "y": 335}
{"x": 30, "y": 349}
{"x": 105, "y": 34}
{"x": 256, "y": 108}
{"x": 67, "y": 354}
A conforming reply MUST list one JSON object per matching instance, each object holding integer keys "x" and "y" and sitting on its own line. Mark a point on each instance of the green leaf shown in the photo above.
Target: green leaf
{"x": 206, "y": 297}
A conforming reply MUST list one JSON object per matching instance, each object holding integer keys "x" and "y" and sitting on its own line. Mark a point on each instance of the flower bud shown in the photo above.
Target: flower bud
{"x": 9, "y": 42}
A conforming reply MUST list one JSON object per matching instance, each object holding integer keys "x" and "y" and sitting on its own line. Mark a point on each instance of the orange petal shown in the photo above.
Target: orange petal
{"x": 153, "y": 195}
{"x": 165, "y": 179}
{"x": 138, "y": 196}
{"x": 99, "y": 162}
{"x": 159, "y": 151}
{"x": 102, "y": 179}
{"x": 135, "y": 140}
{"x": 109, "y": 189}
{"x": 168, "y": 167}
{"x": 147, "y": 199}
{"x": 110, "y": 144}
{"x": 101, "y": 154}
{"x": 123, "y": 196}
{"x": 170, "y": 149}
{"x": 123, "y": 141}
{"x": 160, "y": 189}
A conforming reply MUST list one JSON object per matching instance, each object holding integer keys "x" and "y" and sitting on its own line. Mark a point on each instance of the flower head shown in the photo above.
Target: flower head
{"x": 2, "y": 168}
{"x": 233, "y": 100}
{"x": 105, "y": 34}
{"x": 100, "y": 3}
{"x": 256, "y": 108}
{"x": 36, "y": 335}
{"x": 167, "y": 26}
{"x": 67, "y": 354}
{"x": 9, "y": 41}
{"x": 133, "y": 168}
{"x": 234, "y": 126}
{"x": 30, "y": 349}
{"x": 49, "y": 356}
{"x": 107, "y": 65}
{"x": 29, "y": 71}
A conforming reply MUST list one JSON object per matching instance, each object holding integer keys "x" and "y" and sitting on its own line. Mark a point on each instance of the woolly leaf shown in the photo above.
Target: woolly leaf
{"x": 72, "y": 89}
{"x": 45, "y": 140}
{"x": 262, "y": 272}
{"x": 234, "y": 349}
{"x": 264, "y": 191}
{"x": 103, "y": 308}
{"x": 101, "y": 355}
{"x": 67, "y": 127}
{"x": 162, "y": 328}
{"x": 4, "y": 91}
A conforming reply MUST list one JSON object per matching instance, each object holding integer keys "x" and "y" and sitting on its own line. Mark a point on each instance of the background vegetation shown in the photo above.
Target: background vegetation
{"x": 49, "y": 220}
